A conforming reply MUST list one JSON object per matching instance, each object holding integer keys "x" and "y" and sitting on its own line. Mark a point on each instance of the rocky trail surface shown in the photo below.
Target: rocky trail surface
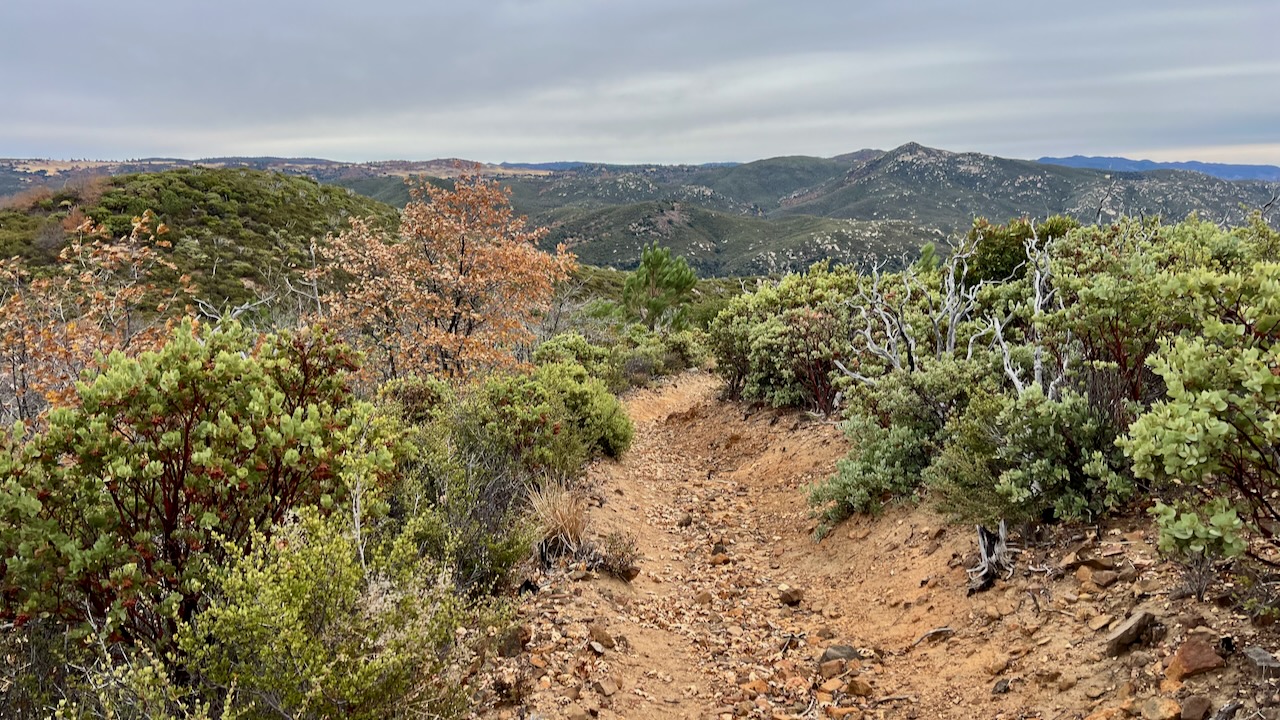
{"x": 738, "y": 612}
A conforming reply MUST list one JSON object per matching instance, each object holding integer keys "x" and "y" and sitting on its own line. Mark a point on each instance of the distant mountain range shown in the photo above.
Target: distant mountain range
{"x": 773, "y": 215}
{"x": 1226, "y": 171}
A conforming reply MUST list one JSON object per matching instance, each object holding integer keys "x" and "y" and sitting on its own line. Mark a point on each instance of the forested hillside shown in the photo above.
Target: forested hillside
{"x": 237, "y": 232}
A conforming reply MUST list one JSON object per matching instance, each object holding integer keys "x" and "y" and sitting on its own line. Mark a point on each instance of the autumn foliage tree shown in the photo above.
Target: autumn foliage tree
{"x": 99, "y": 299}
{"x": 455, "y": 290}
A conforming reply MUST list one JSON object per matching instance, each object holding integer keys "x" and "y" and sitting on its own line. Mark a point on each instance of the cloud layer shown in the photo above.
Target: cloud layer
{"x": 659, "y": 81}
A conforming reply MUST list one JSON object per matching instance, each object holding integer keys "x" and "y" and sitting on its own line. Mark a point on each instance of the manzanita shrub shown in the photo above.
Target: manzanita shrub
{"x": 167, "y": 464}
{"x": 1220, "y": 420}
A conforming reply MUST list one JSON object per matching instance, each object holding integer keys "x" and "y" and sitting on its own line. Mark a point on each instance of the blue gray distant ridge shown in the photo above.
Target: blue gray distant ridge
{"x": 1225, "y": 171}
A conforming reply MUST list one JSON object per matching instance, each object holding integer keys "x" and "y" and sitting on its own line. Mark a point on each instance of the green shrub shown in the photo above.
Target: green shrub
{"x": 1000, "y": 251}
{"x": 110, "y": 515}
{"x": 467, "y": 471}
{"x": 1217, "y": 425}
{"x": 1029, "y": 458}
{"x": 895, "y": 428}
{"x": 780, "y": 343}
{"x": 141, "y": 686}
{"x": 1184, "y": 533}
{"x": 311, "y": 623}
{"x": 884, "y": 464}
{"x": 600, "y": 362}
{"x": 550, "y": 421}
{"x": 729, "y": 340}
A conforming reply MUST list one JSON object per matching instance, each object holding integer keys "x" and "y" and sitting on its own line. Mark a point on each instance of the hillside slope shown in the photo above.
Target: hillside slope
{"x": 236, "y": 231}
{"x": 724, "y": 244}
{"x": 946, "y": 190}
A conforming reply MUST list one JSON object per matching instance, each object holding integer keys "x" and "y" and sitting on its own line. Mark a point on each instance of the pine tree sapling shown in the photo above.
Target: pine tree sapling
{"x": 659, "y": 292}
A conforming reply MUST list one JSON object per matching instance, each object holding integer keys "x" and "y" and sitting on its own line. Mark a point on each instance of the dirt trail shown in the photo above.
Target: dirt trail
{"x": 715, "y": 494}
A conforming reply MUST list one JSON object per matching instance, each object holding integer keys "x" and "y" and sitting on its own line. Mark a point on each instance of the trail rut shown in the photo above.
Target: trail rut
{"x": 715, "y": 495}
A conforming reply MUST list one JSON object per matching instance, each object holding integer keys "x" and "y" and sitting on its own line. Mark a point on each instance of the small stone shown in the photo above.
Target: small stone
{"x": 840, "y": 652}
{"x": 1105, "y": 578}
{"x": 1066, "y": 683}
{"x": 1263, "y": 662}
{"x": 630, "y": 573}
{"x": 1196, "y": 707}
{"x": 720, "y": 559}
{"x": 832, "y": 685}
{"x": 1129, "y": 631}
{"x": 1001, "y": 687}
{"x": 1147, "y": 586}
{"x": 831, "y": 668}
{"x": 574, "y": 712}
{"x": 849, "y": 713}
{"x": 596, "y": 647}
{"x": 1099, "y": 563}
{"x": 605, "y": 686}
{"x": 1193, "y": 657}
{"x": 703, "y": 598}
{"x": 599, "y": 634}
{"x": 1084, "y": 574}
{"x": 825, "y": 633}
{"x": 1158, "y": 708}
{"x": 790, "y": 596}
{"x": 860, "y": 688}
{"x": 1100, "y": 622}
{"x": 685, "y": 520}
{"x": 579, "y": 575}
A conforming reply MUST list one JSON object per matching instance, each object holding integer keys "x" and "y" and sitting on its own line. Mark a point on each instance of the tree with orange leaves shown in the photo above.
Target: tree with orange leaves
{"x": 453, "y": 292}
{"x": 100, "y": 299}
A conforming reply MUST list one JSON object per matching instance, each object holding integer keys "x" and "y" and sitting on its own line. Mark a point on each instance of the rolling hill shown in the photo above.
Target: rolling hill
{"x": 946, "y": 190}
{"x": 724, "y": 244}
{"x": 236, "y": 231}
{"x": 771, "y": 215}
{"x": 1225, "y": 171}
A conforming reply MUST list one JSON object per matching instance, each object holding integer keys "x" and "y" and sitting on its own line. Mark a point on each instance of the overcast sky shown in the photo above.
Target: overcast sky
{"x": 638, "y": 80}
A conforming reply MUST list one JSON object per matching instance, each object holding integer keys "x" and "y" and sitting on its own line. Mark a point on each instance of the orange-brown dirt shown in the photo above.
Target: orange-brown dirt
{"x": 703, "y": 632}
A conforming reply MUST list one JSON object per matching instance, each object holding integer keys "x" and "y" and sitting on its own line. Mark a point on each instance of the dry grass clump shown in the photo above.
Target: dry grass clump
{"x": 561, "y": 514}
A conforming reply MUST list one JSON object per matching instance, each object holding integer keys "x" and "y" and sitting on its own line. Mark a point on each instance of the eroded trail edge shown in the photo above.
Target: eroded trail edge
{"x": 739, "y": 612}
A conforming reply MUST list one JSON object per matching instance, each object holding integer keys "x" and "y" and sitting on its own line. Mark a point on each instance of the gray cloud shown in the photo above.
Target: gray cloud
{"x": 662, "y": 81}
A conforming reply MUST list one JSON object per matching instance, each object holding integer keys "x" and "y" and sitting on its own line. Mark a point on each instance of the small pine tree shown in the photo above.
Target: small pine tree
{"x": 658, "y": 293}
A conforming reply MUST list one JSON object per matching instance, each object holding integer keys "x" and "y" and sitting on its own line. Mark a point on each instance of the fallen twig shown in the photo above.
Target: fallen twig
{"x": 933, "y": 632}
{"x": 893, "y": 698}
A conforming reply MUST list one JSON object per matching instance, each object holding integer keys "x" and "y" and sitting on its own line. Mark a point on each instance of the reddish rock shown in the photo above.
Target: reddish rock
{"x": 1194, "y": 657}
{"x": 831, "y": 668}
